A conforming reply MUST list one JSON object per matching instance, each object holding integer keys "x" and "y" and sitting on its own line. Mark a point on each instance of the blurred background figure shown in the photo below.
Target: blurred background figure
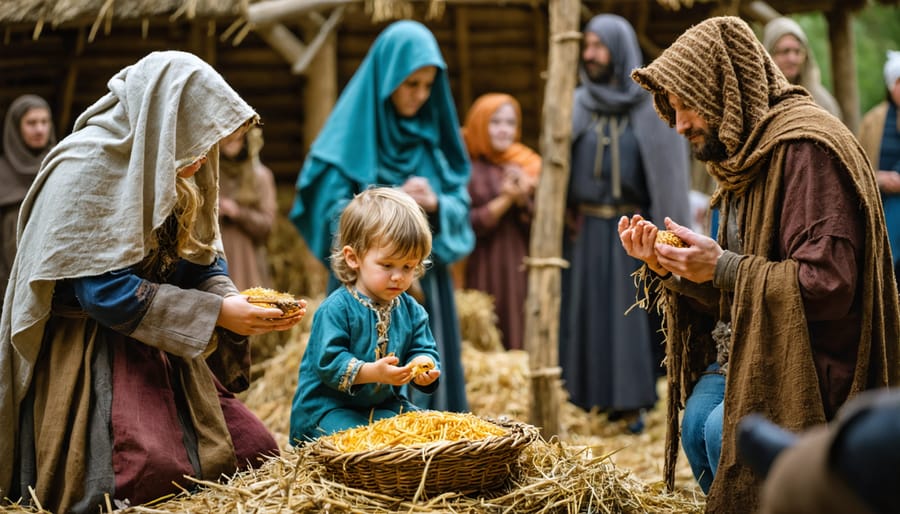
{"x": 879, "y": 134}
{"x": 625, "y": 161}
{"x": 788, "y": 45}
{"x": 504, "y": 176}
{"x": 28, "y": 135}
{"x": 247, "y": 208}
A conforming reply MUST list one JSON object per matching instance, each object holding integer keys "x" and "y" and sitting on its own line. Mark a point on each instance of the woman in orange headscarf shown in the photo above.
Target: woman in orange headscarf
{"x": 504, "y": 176}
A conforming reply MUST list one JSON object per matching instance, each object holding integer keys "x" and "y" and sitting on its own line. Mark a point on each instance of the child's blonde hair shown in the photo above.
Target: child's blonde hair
{"x": 381, "y": 216}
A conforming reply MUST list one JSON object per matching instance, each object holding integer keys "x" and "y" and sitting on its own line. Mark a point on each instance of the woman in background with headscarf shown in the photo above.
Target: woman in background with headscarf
{"x": 247, "y": 208}
{"x": 504, "y": 176}
{"x": 879, "y": 134}
{"x": 788, "y": 45}
{"x": 123, "y": 339}
{"x": 28, "y": 135}
{"x": 395, "y": 124}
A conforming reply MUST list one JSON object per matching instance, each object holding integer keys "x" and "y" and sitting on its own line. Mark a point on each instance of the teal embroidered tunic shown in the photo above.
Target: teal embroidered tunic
{"x": 343, "y": 338}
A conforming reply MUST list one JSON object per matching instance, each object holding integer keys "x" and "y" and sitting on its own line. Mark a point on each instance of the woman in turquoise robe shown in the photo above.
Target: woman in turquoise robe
{"x": 366, "y": 142}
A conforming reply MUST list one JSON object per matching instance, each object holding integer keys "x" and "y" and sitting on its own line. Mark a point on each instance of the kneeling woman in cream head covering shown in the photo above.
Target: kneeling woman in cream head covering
{"x": 121, "y": 333}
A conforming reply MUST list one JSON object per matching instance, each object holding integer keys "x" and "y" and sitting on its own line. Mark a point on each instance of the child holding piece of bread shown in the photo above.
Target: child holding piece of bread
{"x": 369, "y": 338}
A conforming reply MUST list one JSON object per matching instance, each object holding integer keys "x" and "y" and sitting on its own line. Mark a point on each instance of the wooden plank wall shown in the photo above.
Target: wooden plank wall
{"x": 488, "y": 48}
{"x": 255, "y": 71}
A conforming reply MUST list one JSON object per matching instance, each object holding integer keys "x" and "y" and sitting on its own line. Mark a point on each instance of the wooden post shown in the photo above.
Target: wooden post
{"x": 320, "y": 91}
{"x": 68, "y": 95}
{"x": 843, "y": 63}
{"x": 282, "y": 40}
{"x": 464, "y": 62}
{"x": 545, "y": 260}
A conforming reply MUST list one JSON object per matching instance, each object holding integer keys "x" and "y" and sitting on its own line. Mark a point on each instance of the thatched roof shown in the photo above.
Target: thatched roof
{"x": 57, "y": 12}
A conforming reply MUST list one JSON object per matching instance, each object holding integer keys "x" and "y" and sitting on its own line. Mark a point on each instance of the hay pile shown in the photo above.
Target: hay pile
{"x": 593, "y": 465}
{"x": 554, "y": 479}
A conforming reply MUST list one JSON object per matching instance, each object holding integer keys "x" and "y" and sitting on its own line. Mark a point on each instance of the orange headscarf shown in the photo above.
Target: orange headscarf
{"x": 478, "y": 142}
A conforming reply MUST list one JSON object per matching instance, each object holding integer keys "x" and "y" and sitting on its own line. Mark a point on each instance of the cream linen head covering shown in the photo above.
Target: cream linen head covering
{"x": 810, "y": 74}
{"x": 102, "y": 191}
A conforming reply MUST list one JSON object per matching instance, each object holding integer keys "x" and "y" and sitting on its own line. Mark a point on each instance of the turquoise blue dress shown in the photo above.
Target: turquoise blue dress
{"x": 343, "y": 338}
{"x": 365, "y": 142}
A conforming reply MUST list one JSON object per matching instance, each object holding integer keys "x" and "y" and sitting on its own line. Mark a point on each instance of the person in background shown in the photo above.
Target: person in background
{"x": 398, "y": 113}
{"x": 625, "y": 160}
{"x": 28, "y": 135}
{"x": 879, "y": 135}
{"x": 504, "y": 177}
{"x": 124, "y": 340}
{"x": 247, "y": 208}
{"x": 368, "y": 337}
{"x": 794, "y": 309}
{"x": 788, "y": 45}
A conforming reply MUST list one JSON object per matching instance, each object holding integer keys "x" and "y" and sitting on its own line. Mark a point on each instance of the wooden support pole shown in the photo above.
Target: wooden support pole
{"x": 71, "y": 81}
{"x": 759, "y": 11}
{"x": 544, "y": 261}
{"x": 320, "y": 93}
{"x": 843, "y": 63}
{"x": 272, "y": 11}
{"x": 464, "y": 61}
{"x": 300, "y": 65}
{"x": 282, "y": 40}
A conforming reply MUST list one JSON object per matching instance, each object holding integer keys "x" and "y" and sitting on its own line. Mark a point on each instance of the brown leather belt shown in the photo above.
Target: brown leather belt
{"x": 606, "y": 211}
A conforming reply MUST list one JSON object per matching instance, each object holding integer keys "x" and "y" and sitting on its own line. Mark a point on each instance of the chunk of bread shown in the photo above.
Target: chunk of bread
{"x": 668, "y": 237}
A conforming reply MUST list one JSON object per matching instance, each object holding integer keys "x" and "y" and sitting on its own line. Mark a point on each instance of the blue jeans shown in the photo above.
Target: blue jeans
{"x": 701, "y": 426}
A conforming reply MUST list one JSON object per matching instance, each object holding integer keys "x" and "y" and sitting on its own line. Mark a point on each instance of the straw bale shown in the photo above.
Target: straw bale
{"x": 478, "y": 319}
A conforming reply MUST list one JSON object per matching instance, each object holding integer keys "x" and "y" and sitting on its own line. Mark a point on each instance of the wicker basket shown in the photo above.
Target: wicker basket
{"x": 414, "y": 472}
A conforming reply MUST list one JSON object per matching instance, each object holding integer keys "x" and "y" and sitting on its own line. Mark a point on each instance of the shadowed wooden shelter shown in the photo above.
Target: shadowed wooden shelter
{"x": 289, "y": 58}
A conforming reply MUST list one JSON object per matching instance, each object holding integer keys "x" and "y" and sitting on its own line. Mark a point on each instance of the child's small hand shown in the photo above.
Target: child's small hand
{"x": 386, "y": 371}
{"x": 422, "y": 370}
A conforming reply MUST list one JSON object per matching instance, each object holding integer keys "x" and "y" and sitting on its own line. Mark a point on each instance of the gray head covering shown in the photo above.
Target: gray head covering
{"x": 19, "y": 163}
{"x": 620, "y": 93}
{"x": 810, "y": 75}
{"x": 664, "y": 153}
{"x": 103, "y": 190}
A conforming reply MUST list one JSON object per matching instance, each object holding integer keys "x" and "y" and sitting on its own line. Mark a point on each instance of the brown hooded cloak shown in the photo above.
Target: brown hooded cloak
{"x": 719, "y": 69}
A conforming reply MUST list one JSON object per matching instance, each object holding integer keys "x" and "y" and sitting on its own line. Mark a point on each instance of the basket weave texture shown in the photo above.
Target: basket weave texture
{"x": 430, "y": 469}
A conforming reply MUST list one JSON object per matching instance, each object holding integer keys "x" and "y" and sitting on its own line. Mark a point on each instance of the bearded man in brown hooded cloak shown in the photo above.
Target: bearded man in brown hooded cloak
{"x": 794, "y": 308}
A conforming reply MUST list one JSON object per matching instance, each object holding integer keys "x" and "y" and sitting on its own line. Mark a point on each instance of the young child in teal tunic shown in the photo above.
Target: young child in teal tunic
{"x": 369, "y": 338}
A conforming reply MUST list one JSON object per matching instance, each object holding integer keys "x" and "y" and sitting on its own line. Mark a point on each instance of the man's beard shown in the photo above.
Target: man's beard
{"x": 712, "y": 149}
{"x": 598, "y": 73}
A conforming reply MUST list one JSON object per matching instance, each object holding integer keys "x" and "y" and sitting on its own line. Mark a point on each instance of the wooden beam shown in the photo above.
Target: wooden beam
{"x": 283, "y": 41}
{"x": 641, "y": 28}
{"x": 759, "y": 11}
{"x": 327, "y": 28}
{"x": 272, "y": 11}
{"x": 68, "y": 93}
{"x": 843, "y": 64}
{"x": 320, "y": 95}
{"x": 463, "y": 61}
{"x": 545, "y": 250}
